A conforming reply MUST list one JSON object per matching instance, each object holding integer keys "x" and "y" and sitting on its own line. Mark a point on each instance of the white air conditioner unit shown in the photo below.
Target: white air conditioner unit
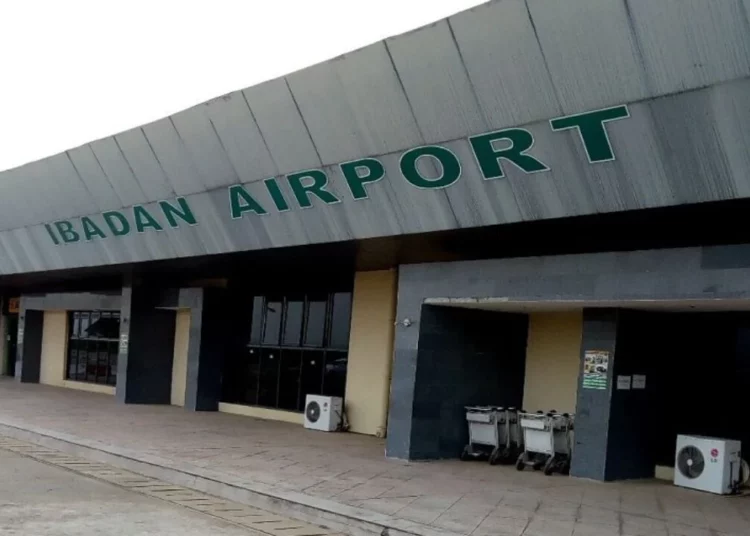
{"x": 708, "y": 464}
{"x": 323, "y": 412}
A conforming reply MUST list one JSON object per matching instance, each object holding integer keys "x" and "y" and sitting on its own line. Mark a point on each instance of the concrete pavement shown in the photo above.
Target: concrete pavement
{"x": 39, "y": 500}
{"x": 345, "y": 479}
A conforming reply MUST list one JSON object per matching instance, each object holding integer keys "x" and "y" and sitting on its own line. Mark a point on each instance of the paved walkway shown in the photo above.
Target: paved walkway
{"x": 351, "y": 471}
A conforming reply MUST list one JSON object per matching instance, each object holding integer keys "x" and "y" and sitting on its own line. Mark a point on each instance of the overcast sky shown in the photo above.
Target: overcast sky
{"x": 72, "y": 71}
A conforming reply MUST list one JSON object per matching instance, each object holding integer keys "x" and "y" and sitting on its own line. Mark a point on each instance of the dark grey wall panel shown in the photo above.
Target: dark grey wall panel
{"x": 144, "y": 367}
{"x": 211, "y": 326}
{"x": 80, "y": 301}
{"x": 641, "y": 341}
{"x": 29, "y": 347}
{"x": 464, "y": 358}
{"x": 592, "y": 420}
{"x": 673, "y": 274}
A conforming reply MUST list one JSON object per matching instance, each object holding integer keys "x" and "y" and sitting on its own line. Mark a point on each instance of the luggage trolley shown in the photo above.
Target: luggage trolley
{"x": 488, "y": 434}
{"x": 546, "y": 441}
{"x": 515, "y": 435}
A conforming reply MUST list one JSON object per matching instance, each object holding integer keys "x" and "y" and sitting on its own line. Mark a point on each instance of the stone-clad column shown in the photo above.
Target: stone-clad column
{"x": 212, "y": 333}
{"x": 29, "y": 346}
{"x": 612, "y": 424}
{"x": 144, "y": 367}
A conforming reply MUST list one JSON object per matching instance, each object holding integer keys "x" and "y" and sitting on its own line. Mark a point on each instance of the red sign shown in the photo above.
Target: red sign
{"x": 714, "y": 453}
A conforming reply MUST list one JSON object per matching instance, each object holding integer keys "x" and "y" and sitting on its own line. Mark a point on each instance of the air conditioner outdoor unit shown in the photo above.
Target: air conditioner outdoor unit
{"x": 323, "y": 412}
{"x": 708, "y": 464}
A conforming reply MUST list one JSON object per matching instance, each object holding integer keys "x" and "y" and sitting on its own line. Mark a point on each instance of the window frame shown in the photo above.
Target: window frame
{"x": 255, "y": 342}
{"x": 100, "y": 352}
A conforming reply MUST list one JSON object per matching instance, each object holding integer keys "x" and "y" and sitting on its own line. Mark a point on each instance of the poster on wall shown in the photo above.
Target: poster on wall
{"x": 595, "y": 367}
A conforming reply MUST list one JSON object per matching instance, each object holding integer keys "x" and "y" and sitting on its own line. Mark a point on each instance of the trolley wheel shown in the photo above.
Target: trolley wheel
{"x": 521, "y": 462}
{"x": 495, "y": 456}
{"x": 507, "y": 455}
{"x": 466, "y": 453}
{"x": 565, "y": 468}
{"x": 549, "y": 467}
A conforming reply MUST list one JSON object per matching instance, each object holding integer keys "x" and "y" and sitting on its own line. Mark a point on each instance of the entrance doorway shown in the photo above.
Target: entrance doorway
{"x": 698, "y": 369}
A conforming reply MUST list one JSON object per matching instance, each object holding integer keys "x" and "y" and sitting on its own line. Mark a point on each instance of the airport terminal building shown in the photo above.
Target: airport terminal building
{"x": 453, "y": 216}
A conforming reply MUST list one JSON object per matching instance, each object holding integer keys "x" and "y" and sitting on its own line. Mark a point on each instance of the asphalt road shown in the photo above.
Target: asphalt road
{"x": 37, "y": 499}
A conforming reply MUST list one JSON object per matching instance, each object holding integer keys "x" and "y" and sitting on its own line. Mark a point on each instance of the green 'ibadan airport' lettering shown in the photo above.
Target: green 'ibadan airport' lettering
{"x": 428, "y": 167}
{"x": 592, "y": 131}
{"x": 90, "y": 229}
{"x": 117, "y": 222}
{"x": 240, "y": 201}
{"x": 488, "y": 156}
{"x": 316, "y": 187}
{"x": 450, "y": 166}
{"x": 373, "y": 172}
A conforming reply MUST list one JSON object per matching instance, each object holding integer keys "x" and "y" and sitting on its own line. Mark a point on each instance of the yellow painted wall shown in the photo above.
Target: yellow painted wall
{"x": 552, "y": 361}
{"x": 179, "y": 363}
{"x": 54, "y": 348}
{"x": 263, "y": 413}
{"x": 371, "y": 351}
{"x": 54, "y": 355}
{"x": 90, "y": 387}
{"x": 663, "y": 472}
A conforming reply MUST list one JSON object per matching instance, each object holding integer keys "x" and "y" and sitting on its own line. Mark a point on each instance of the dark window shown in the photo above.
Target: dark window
{"x": 296, "y": 345}
{"x": 340, "y": 318}
{"x": 293, "y": 322}
{"x": 257, "y": 326}
{"x": 273, "y": 312}
{"x": 93, "y": 345}
{"x": 316, "y": 321}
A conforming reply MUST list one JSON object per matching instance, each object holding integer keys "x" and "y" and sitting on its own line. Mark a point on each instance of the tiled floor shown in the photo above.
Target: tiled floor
{"x": 462, "y": 497}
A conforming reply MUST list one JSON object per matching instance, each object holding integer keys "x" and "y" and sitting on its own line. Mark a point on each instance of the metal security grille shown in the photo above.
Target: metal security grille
{"x": 93, "y": 339}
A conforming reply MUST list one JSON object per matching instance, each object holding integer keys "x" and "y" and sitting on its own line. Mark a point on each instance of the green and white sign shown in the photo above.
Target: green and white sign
{"x": 492, "y": 152}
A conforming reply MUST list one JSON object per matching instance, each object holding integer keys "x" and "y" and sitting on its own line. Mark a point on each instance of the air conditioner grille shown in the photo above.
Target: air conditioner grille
{"x": 313, "y": 411}
{"x": 690, "y": 462}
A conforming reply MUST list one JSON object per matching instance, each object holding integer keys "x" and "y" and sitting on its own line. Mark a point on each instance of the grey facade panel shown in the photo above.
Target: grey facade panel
{"x": 199, "y": 138}
{"x": 502, "y": 55}
{"x": 240, "y": 137}
{"x": 591, "y": 53}
{"x": 281, "y": 125}
{"x": 355, "y": 106}
{"x": 429, "y": 57}
{"x": 144, "y": 164}
{"x": 62, "y": 191}
{"x": 694, "y": 27}
{"x": 505, "y": 64}
{"x": 118, "y": 171}
{"x": 183, "y": 175}
{"x": 92, "y": 175}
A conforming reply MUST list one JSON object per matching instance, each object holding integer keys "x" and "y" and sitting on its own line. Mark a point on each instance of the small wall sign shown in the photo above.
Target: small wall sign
{"x": 124, "y": 343}
{"x": 623, "y": 383}
{"x": 639, "y": 381}
{"x": 595, "y": 368}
